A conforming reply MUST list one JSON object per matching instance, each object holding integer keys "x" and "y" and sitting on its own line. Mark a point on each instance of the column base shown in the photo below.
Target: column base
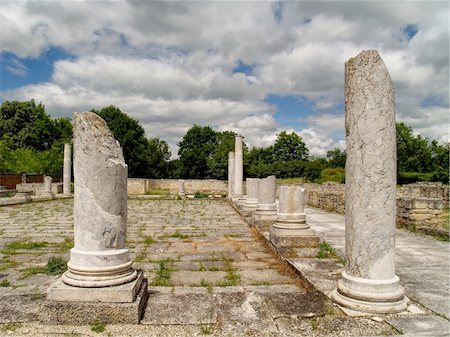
{"x": 124, "y": 304}
{"x": 301, "y": 237}
{"x": 48, "y": 195}
{"x": 370, "y": 296}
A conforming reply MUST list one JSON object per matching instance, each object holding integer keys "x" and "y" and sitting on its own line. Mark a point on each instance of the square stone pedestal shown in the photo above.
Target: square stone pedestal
{"x": 125, "y": 303}
{"x": 305, "y": 242}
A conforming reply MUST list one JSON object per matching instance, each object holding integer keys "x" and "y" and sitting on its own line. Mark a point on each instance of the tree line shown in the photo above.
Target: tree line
{"x": 32, "y": 141}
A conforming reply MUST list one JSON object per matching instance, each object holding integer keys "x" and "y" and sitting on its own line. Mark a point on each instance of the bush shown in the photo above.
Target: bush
{"x": 412, "y": 177}
{"x": 55, "y": 266}
{"x": 200, "y": 195}
{"x": 332, "y": 174}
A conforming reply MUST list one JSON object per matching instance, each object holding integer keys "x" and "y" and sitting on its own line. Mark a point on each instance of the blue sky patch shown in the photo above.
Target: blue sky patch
{"x": 244, "y": 68}
{"x": 16, "y": 72}
{"x": 410, "y": 31}
{"x": 292, "y": 111}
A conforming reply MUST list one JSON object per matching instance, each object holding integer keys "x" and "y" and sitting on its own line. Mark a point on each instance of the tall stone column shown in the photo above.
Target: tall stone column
{"x": 290, "y": 228}
{"x": 266, "y": 209}
{"x": 238, "y": 171}
{"x": 251, "y": 199}
{"x": 67, "y": 169}
{"x": 369, "y": 283}
{"x": 99, "y": 258}
{"x": 230, "y": 174}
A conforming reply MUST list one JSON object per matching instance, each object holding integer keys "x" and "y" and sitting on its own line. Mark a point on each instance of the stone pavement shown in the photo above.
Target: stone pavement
{"x": 422, "y": 263}
{"x": 209, "y": 273}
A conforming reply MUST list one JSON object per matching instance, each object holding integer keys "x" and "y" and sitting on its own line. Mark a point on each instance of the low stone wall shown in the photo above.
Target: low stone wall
{"x": 38, "y": 188}
{"x": 419, "y": 211}
{"x": 209, "y": 186}
{"x": 418, "y": 208}
{"x": 425, "y": 190}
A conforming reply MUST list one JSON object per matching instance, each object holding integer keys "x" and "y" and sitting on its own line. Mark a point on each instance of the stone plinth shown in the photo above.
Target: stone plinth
{"x": 369, "y": 283}
{"x": 230, "y": 174}
{"x": 290, "y": 228}
{"x": 181, "y": 191}
{"x": 99, "y": 269}
{"x": 22, "y": 197}
{"x": 67, "y": 169}
{"x": 251, "y": 199}
{"x": 266, "y": 209}
{"x": 47, "y": 193}
{"x": 238, "y": 195}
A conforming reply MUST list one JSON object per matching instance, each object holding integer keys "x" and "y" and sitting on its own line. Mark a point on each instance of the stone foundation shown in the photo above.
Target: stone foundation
{"x": 213, "y": 187}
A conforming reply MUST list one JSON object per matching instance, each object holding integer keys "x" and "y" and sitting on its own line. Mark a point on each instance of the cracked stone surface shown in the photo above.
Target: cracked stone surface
{"x": 370, "y": 187}
{"x": 220, "y": 277}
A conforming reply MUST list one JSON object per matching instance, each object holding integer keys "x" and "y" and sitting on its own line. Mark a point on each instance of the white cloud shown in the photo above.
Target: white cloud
{"x": 170, "y": 64}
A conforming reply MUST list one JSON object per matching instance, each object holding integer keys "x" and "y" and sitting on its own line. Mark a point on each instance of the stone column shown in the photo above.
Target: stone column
{"x": 251, "y": 199}
{"x": 238, "y": 171}
{"x": 290, "y": 228}
{"x": 48, "y": 188}
{"x": 99, "y": 258}
{"x": 369, "y": 283}
{"x": 67, "y": 169}
{"x": 266, "y": 210}
{"x": 230, "y": 174}
{"x": 181, "y": 191}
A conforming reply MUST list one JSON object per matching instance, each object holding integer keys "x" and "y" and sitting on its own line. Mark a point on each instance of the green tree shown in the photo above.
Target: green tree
{"x": 289, "y": 147}
{"x": 195, "y": 150}
{"x": 218, "y": 161}
{"x": 131, "y": 137}
{"x": 413, "y": 152}
{"x": 336, "y": 158}
{"x": 159, "y": 155}
{"x": 30, "y": 127}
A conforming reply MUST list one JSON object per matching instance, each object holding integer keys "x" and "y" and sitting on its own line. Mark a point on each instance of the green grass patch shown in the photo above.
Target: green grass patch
{"x": 332, "y": 174}
{"x": 98, "y": 327}
{"x": 11, "y": 326}
{"x": 158, "y": 191}
{"x": 5, "y": 283}
{"x": 176, "y": 235}
{"x": 200, "y": 195}
{"x": 206, "y": 329}
{"x": 54, "y": 266}
{"x": 163, "y": 274}
{"x": 11, "y": 248}
{"x": 233, "y": 235}
{"x": 66, "y": 245}
{"x": 6, "y": 263}
{"x": 231, "y": 278}
{"x": 328, "y": 252}
{"x": 148, "y": 240}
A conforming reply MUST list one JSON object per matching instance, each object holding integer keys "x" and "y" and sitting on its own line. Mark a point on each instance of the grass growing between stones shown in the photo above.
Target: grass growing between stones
{"x": 11, "y": 248}
{"x": 231, "y": 279}
{"x": 5, "y": 283}
{"x": 98, "y": 327}
{"x": 6, "y": 263}
{"x": 12, "y": 326}
{"x": 176, "y": 235}
{"x": 54, "y": 266}
{"x": 163, "y": 274}
{"x": 328, "y": 252}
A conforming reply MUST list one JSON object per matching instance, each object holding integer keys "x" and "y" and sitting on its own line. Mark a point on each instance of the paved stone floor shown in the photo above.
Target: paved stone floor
{"x": 209, "y": 273}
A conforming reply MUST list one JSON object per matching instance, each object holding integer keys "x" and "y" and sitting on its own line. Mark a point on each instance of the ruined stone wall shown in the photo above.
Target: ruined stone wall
{"x": 419, "y": 204}
{"x": 425, "y": 190}
{"x": 38, "y": 188}
{"x": 209, "y": 186}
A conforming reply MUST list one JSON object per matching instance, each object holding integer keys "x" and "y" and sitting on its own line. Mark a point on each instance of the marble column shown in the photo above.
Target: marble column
{"x": 290, "y": 228}
{"x": 230, "y": 174}
{"x": 99, "y": 257}
{"x": 181, "y": 191}
{"x": 67, "y": 169}
{"x": 238, "y": 196}
{"x": 251, "y": 199}
{"x": 266, "y": 209}
{"x": 369, "y": 283}
{"x": 48, "y": 188}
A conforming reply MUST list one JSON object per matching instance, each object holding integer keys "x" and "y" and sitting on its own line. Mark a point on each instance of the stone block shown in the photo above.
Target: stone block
{"x": 88, "y": 312}
{"x": 124, "y": 293}
{"x": 302, "y": 238}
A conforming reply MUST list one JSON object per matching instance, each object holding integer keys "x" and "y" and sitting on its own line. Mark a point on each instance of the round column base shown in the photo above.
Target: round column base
{"x": 370, "y": 296}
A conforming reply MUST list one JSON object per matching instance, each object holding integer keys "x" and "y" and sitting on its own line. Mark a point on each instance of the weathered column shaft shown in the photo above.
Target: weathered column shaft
{"x": 181, "y": 191}
{"x": 67, "y": 169}
{"x": 48, "y": 184}
{"x": 251, "y": 199}
{"x": 238, "y": 167}
{"x": 291, "y": 207}
{"x": 99, "y": 257}
{"x": 230, "y": 174}
{"x": 267, "y": 194}
{"x": 369, "y": 282}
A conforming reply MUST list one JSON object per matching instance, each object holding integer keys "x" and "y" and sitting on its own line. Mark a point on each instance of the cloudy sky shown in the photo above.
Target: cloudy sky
{"x": 256, "y": 68}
